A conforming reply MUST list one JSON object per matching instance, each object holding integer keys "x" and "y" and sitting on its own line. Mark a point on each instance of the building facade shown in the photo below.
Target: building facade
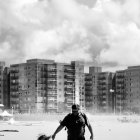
{"x": 91, "y": 94}
{"x": 98, "y": 95}
{"x": 105, "y": 102}
{"x": 133, "y": 89}
{"x": 120, "y": 91}
{"x": 6, "y": 88}
{"x": 45, "y": 86}
{"x": 2, "y": 66}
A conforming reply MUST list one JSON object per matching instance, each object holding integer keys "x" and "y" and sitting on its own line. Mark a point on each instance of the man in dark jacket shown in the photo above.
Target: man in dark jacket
{"x": 75, "y": 123}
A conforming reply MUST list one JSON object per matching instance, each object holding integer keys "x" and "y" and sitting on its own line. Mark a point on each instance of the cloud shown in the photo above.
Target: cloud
{"x": 123, "y": 34}
{"x": 124, "y": 42}
{"x": 48, "y": 29}
{"x": 88, "y": 3}
{"x": 96, "y": 32}
{"x": 62, "y": 43}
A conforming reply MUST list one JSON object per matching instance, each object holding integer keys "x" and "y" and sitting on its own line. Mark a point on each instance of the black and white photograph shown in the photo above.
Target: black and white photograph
{"x": 69, "y": 69}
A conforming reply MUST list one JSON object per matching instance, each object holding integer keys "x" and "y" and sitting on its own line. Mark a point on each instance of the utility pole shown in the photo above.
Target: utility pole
{"x": 120, "y": 104}
{"x": 112, "y": 93}
{"x": 12, "y": 110}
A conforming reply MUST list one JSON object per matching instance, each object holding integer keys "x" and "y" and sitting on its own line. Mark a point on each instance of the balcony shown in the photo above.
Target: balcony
{"x": 88, "y": 83}
{"x": 51, "y": 83}
{"x": 68, "y": 93}
{"x": 52, "y": 79}
{"x": 51, "y": 76}
{"x": 88, "y": 79}
{"x": 52, "y": 107}
{"x": 88, "y": 89}
{"x": 52, "y": 99}
{"x": 101, "y": 78}
{"x": 52, "y": 70}
{"x": 14, "y": 83}
{"x": 102, "y": 88}
{"x": 13, "y": 89}
{"x": 69, "y": 70}
{"x": 104, "y": 102}
{"x": 120, "y": 76}
{"x": 14, "y": 71}
{"x": 51, "y": 90}
{"x": 69, "y": 101}
{"x": 120, "y": 87}
{"x": 120, "y": 82}
{"x": 69, "y": 76}
{"x": 69, "y": 80}
{"x": 68, "y": 84}
{"x": 14, "y": 96}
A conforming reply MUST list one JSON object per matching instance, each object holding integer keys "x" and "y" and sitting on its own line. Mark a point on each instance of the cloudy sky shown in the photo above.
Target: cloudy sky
{"x": 99, "y": 32}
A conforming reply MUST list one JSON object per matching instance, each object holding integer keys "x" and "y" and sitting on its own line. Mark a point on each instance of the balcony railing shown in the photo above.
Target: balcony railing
{"x": 51, "y": 79}
{"x": 14, "y": 71}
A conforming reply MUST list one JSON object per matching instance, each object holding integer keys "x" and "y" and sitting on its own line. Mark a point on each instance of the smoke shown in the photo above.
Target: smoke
{"x": 96, "y": 32}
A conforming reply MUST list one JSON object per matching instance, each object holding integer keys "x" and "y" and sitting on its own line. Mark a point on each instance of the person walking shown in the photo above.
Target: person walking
{"x": 75, "y": 123}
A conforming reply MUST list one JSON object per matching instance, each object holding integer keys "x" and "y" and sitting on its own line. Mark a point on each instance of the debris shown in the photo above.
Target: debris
{"x": 9, "y": 131}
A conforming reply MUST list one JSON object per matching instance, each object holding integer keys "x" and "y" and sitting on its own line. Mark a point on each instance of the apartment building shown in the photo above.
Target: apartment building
{"x": 18, "y": 87}
{"x": 88, "y": 92}
{"x": 120, "y": 91}
{"x": 133, "y": 89}
{"x": 6, "y": 88}
{"x": 74, "y": 84}
{"x": 45, "y": 86}
{"x": 98, "y": 97}
{"x": 105, "y": 97}
{"x": 2, "y": 66}
{"x": 91, "y": 96}
{"x": 79, "y": 81}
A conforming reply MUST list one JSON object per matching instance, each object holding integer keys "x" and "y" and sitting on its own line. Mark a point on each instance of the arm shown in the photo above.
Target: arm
{"x": 90, "y": 130}
{"x": 89, "y": 126}
{"x": 59, "y": 128}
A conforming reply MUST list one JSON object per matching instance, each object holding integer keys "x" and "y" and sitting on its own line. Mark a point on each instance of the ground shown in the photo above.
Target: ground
{"x": 104, "y": 128}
